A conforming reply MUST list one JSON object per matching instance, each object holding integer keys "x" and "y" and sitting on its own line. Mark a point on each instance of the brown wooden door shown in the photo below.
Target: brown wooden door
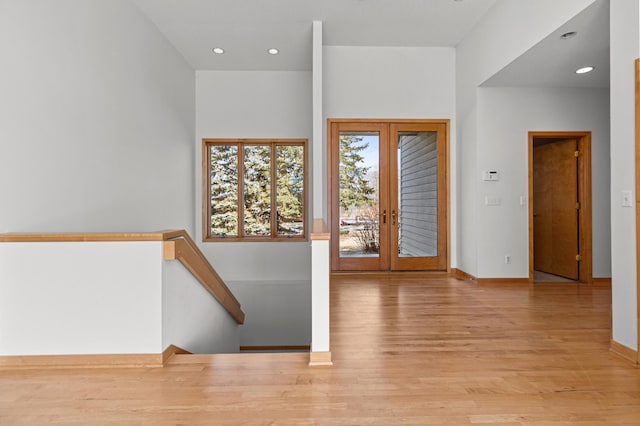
{"x": 555, "y": 208}
{"x": 359, "y": 196}
{"x": 388, "y": 196}
{"x": 418, "y": 196}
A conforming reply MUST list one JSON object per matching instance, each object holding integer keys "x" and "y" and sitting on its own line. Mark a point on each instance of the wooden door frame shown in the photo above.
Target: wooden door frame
{"x": 442, "y": 243}
{"x": 637, "y": 117}
{"x": 333, "y": 208}
{"x": 331, "y": 196}
{"x": 584, "y": 198}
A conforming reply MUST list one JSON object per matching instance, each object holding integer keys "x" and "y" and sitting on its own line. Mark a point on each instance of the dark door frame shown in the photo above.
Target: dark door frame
{"x": 584, "y": 198}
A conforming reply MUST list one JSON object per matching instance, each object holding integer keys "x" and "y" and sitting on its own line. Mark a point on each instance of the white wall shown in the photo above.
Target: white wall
{"x": 389, "y": 82}
{"x": 509, "y": 28}
{"x": 278, "y": 313}
{"x": 467, "y": 221}
{"x": 505, "y": 116}
{"x": 393, "y": 82}
{"x": 253, "y": 104}
{"x": 625, "y": 48}
{"x": 192, "y": 318}
{"x": 105, "y": 298}
{"x": 77, "y": 302}
{"x": 320, "y": 296}
{"x": 96, "y": 120}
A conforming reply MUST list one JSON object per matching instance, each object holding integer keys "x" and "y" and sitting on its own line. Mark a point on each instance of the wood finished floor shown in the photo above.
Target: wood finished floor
{"x": 406, "y": 351}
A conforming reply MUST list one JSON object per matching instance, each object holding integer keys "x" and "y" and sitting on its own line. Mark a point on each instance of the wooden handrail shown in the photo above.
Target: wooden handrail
{"x": 320, "y": 230}
{"x": 178, "y": 245}
{"x": 82, "y": 237}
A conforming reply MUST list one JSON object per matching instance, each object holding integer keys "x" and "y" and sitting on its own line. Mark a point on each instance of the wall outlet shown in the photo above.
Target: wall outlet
{"x": 507, "y": 259}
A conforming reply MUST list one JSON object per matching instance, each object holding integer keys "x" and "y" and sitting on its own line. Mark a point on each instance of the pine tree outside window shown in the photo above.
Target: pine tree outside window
{"x": 254, "y": 190}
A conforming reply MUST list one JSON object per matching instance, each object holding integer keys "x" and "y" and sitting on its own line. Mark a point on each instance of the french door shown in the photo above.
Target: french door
{"x": 388, "y": 196}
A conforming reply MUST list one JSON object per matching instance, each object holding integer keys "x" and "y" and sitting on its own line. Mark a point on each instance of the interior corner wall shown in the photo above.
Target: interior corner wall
{"x": 483, "y": 52}
{"x": 625, "y": 48}
{"x": 393, "y": 82}
{"x": 505, "y": 116}
{"x": 253, "y": 104}
{"x": 97, "y": 120}
{"x": 486, "y": 50}
{"x": 468, "y": 179}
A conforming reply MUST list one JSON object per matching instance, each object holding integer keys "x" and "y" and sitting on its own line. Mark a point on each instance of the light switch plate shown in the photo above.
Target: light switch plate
{"x": 627, "y": 198}
{"x": 490, "y": 175}
{"x": 492, "y": 201}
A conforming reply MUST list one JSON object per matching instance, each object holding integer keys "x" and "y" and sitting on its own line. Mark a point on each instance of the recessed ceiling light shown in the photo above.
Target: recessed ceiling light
{"x": 585, "y": 70}
{"x": 218, "y": 50}
{"x": 273, "y": 51}
{"x": 568, "y": 35}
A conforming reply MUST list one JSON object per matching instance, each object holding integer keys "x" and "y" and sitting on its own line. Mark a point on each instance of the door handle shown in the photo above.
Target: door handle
{"x": 393, "y": 217}
{"x": 384, "y": 216}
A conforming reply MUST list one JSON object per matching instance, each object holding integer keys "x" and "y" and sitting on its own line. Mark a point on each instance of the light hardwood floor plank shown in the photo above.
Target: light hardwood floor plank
{"x": 405, "y": 350}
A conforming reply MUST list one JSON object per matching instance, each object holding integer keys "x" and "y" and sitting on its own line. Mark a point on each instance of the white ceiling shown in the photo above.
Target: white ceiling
{"x": 247, "y": 28}
{"x": 553, "y": 61}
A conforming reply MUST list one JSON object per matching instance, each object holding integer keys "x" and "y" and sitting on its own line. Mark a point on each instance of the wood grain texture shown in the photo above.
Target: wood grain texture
{"x": 586, "y": 209}
{"x": 584, "y": 198}
{"x": 320, "y": 230}
{"x": 81, "y": 361}
{"x": 440, "y": 187}
{"x": 319, "y": 359}
{"x": 555, "y": 195}
{"x": 335, "y": 129}
{"x": 406, "y": 350}
{"x": 387, "y": 131}
{"x": 171, "y": 351}
{"x": 462, "y": 275}
{"x": 637, "y": 115}
{"x": 503, "y": 280}
{"x": 207, "y": 143}
{"x": 187, "y": 252}
{"x": 625, "y": 352}
{"x": 80, "y": 237}
{"x": 280, "y": 348}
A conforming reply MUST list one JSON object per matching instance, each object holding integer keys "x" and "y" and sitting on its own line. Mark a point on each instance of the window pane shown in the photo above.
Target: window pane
{"x": 359, "y": 194}
{"x": 290, "y": 190}
{"x": 257, "y": 190}
{"x": 418, "y": 194}
{"x": 223, "y": 161}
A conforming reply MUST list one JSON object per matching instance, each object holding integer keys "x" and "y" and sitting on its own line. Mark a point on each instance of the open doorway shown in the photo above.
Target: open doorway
{"x": 560, "y": 207}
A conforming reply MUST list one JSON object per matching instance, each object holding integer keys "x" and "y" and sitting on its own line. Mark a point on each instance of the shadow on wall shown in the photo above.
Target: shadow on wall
{"x": 278, "y": 313}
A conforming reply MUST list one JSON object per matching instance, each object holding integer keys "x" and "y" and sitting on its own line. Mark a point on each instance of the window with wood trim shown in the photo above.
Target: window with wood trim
{"x": 254, "y": 189}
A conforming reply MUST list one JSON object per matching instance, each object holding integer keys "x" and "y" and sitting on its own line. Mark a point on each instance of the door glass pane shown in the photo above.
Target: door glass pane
{"x": 417, "y": 194}
{"x": 223, "y": 161}
{"x": 257, "y": 190}
{"x": 290, "y": 190}
{"x": 359, "y": 205}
